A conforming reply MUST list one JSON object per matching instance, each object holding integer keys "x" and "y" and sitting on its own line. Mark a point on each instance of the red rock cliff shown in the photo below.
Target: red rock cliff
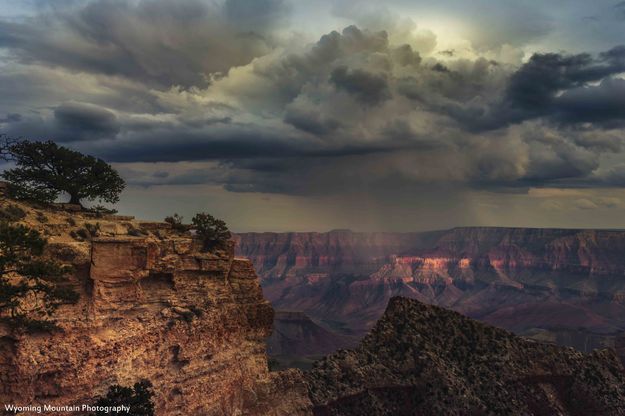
{"x": 518, "y": 278}
{"x": 283, "y": 255}
{"x": 151, "y": 307}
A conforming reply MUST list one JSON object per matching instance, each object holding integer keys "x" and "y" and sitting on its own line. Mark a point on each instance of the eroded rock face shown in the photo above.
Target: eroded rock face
{"x": 314, "y": 255}
{"x": 562, "y": 285}
{"x": 154, "y": 308}
{"x": 424, "y": 360}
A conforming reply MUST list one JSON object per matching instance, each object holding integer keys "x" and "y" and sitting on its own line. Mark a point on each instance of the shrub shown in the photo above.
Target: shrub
{"x": 138, "y": 397}
{"x": 87, "y": 233}
{"x": 31, "y": 287}
{"x": 213, "y": 232}
{"x": 101, "y": 210}
{"x": 12, "y": 213}
{"x": 176, "y": 223}
{"x": 93, "y": 229}
{"x": 273, "y": 364}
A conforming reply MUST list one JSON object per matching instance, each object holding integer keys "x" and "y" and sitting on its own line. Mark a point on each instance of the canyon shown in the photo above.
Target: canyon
{"x": 155, "y": 305}
{"x": 562, "y": 286}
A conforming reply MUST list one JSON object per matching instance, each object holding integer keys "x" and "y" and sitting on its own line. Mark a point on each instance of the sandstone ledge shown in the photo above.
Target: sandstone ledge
{"x": 154, "y": 307}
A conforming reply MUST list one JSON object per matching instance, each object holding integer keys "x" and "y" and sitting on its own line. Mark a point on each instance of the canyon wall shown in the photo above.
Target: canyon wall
{"x": 152, "y": 306}
{"x": 284, "y": 255}
{"x": 548, "y": 283}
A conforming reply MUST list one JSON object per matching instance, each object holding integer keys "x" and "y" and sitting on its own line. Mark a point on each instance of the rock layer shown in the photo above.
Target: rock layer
{"x": 550, "y": 282}
{"x": 151, "y": 307}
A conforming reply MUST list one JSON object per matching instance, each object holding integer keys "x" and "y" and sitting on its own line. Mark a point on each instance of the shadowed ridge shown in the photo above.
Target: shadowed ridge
{"x": 422, "y": 359}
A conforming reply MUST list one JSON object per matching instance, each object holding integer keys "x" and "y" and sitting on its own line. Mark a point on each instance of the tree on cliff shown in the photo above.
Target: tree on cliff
{"x": 213, "y": 232}
{"x": 31, "y": 287}
{"x": 44, "y": 170}
{"x": 139, "y": 398}
{"x": 176, "y": 223}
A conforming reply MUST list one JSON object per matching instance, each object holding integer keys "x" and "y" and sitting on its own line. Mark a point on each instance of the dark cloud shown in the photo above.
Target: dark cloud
{"x": 158, "y": 42}
{"x": 359, "y": 110}
{"x": 291, "y": 72}
{"x": 400, "y": 131}
{"x": 78, "y": 121}
{"x": 366, "y": 87}
{"x": 534, "y": 86}
{"x": 603, "y": 104}
{"x": 438, "y": 67}
{"x": 564, "y": 88}
{"x": 159, "y": 146}
{"x": 231, "y": 145}
{"x": 569, "y": 89}
{"x": 311, "y": 121}
{"x": 404, "y": 55}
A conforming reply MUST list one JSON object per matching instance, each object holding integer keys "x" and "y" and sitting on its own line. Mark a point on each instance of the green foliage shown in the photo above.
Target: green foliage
{"x": 44, "y": 170}
{"x": 176, "y": 223}
{"x": 139, "y": 398}
{"x": 213, "y": 232}
{"x": 31, "y": 192}
{"x": 31, "y": 287}
{"x": 5, "y": 144}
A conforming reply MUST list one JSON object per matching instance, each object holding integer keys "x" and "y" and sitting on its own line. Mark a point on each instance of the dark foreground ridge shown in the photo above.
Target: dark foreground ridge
{"x": 425, "y": 360}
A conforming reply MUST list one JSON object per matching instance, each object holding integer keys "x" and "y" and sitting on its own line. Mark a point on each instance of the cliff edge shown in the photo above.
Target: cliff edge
{"x": 152, "y": 306}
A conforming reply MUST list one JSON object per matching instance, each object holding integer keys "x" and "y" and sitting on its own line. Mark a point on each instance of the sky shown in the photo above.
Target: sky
{"x": 283, "y": 115}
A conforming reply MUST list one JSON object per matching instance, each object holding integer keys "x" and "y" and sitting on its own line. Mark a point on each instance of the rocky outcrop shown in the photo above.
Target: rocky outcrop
{"x": 152, "y": 307}
{"x": 425, "y": 360}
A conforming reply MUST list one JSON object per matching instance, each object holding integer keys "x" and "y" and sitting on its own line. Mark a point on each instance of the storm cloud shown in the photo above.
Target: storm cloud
{"x": 230, "y": 94}
{"x": 84, "y": 122}
{"x": 553, "y": 83}
{"x": 158, "y": 42}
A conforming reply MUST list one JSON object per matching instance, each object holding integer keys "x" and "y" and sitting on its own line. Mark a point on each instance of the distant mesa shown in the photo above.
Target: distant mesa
{"x": 562, "y": 286}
